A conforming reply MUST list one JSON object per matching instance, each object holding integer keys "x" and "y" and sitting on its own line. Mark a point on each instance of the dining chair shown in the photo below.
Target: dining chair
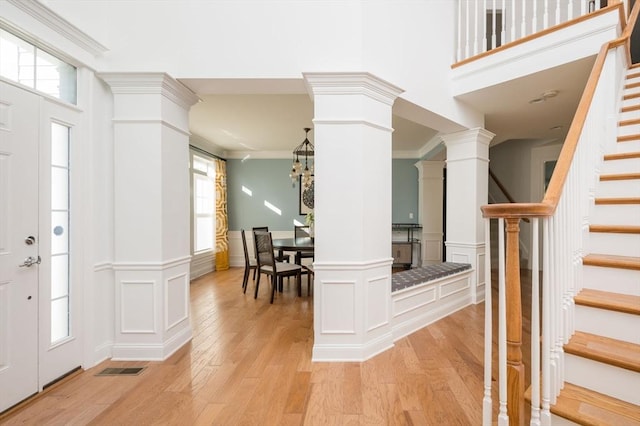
{"x": 279, "y": 257}
{"x": 267, "y": 264}
{"x": 302, "y": 232}
{"x": 250, "y": 264}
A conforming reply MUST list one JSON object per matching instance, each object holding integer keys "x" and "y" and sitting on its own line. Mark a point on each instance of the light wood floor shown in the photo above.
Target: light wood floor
{"x": 249, "y": 363}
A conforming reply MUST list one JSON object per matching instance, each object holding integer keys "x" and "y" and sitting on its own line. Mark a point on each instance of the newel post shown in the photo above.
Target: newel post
{"x": 515, "y": 368}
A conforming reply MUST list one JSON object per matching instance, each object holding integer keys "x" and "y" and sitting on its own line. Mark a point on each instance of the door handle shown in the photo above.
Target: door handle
{"x": 30, "y": 261}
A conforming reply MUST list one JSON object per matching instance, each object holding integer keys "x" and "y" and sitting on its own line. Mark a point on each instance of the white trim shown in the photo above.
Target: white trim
{"x": 153, "y": 351}
{"x": 354, "y": 121}
{"x": 56, "y": 23}
{"x": 151, "y": 121}
{"x": 351, "y": 83}
{"x": 352, "y": 266}
{"x": 152, "y": 266}
{"x": 148, "y": 83}
{"x": 346, "y": 353}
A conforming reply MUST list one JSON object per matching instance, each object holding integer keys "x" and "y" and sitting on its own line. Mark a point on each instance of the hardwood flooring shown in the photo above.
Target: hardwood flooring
{"x": 249, "y": 363}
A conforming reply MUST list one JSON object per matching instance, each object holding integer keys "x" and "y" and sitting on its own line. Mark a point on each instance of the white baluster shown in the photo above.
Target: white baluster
{"x": 570, "y": 10}
{"x": 523, "y": 24}
{"x": 503, "y": 417}
{"x": 493, "y": 27}
{"x": 475, "y": 31}
{"x": 484, "y": 27}
{"x": 545, "y": 20}
{"x": 557, "y": 12}
{"x": 535, "y": 325}
{"x": 534, "y": 18}
{"x": 513, "y": 20}
{"x": 466, "y": 46}
{"x": 503, "y": 33}
{"x": 546, "y": 325}
{"x": 487, "y": 409}
{"x": 459, "y": 53}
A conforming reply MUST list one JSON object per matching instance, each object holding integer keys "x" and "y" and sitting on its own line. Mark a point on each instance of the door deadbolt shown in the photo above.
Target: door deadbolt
{"x": 30, "y": 240}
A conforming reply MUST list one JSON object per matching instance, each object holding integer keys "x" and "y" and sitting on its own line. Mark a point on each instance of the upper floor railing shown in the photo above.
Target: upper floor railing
{"x": 484, "y": 25}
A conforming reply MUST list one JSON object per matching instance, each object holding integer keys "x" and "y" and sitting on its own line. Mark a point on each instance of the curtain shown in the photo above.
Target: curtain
{"x": 222, "y": 221}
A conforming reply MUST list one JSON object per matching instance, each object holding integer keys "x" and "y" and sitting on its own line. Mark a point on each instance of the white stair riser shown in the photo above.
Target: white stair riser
{"x": 629, "y": 102}
{"x": 628, "y": 146}
{"x": 624, "y": 281}
{"x": 615, "y": 214}
{"x": 607, "y": 379}
{"x": 616, "y": 325}
{"x": 629, "y": 129}
{"x": 629, "y": 115}
{"x": 628, "y": 165}
{"x": 612, "y": 243}
{"x": 618, "y": 188}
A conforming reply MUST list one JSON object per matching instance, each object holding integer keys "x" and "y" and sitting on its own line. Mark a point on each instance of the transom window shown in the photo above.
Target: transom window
{"x": 24, "y": 63}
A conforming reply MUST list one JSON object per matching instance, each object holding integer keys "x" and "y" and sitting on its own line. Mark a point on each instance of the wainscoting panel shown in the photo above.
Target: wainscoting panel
{"x": 4, "y": 323}
{"x": 377, "y": 307}
{"x": 338, "y": 301}
{"x": 176, "y": 300}
{"x": 138, "y": 311}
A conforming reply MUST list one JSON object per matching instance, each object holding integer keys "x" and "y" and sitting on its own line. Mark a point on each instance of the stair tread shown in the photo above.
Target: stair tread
{"x": 629, "y": 108}
{"x": 587, "y": 407}
{"x": 618, "y": 200}
{"x": 621, "y": 156}
{"x": 620, "y": 176}
{"x": 628, "y": 138}
{"x": 612, "y": 261}
{"x": 604, "y": 349}
{"x": 630, "y": 122}
{"x": 615, "y": 229}
{"x": 607, "y": 300}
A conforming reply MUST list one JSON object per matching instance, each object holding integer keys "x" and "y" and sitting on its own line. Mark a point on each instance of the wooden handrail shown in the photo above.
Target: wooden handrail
{"x": 550, "y": 201}
{"x": 503, "y": 189}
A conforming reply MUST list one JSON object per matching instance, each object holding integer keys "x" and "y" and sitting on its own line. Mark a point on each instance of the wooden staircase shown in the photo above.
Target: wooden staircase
{"x": 602, "y": 358}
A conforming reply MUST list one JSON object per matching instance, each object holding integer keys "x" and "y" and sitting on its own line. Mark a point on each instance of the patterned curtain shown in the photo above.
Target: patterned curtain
{"x": 222, "y": 222}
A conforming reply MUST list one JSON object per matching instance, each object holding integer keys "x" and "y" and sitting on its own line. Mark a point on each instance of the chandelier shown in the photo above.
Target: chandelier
{"x": 303, "y": 152}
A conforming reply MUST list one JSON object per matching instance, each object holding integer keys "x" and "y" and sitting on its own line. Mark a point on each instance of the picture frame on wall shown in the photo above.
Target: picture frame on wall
{"x": 306, "y": 197}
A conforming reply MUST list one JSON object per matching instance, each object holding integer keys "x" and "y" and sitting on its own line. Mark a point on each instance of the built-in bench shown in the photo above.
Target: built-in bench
{"x": 423, "y": 295}
{"x": 409, "y": 278}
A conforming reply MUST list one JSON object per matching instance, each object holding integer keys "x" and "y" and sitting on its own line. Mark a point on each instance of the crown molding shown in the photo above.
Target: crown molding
{"x": 351, "y": 83}
{"x": 55, "y": 22}
{"x": 144, "y": 83}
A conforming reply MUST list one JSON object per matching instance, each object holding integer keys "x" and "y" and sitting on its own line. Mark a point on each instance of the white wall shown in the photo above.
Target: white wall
{"x": 407, "y": 43}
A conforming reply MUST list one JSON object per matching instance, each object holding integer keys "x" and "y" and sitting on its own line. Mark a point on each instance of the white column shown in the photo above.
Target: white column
{"x": 151, "y": 214}
{"x": 430, "y": 206}
{"x": 467, "y": 190}
{"x": 352, "y": 136}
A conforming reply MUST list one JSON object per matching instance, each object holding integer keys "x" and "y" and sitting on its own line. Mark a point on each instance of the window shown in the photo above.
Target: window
{"x": 204, "y": 203}
{"x": 60, "y": 297}
{"x": 26, "y": 64}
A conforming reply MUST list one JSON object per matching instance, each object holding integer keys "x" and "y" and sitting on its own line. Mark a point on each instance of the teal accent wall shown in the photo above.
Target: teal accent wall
{"x": 404, "y": 191}
{"x": 268, "y": 180}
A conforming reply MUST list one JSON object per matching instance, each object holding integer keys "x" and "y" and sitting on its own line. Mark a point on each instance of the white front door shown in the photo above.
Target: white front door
{"x": 19, "y": 137}
{"x": 40, "y": 323}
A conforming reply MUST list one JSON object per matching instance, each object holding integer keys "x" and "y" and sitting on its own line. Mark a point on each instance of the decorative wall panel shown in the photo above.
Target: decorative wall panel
{"x": 176, "y": 300}
{"x": 138, "y": 312}
{"x": 338, "y": 307}
{"x": 377, "y": 307}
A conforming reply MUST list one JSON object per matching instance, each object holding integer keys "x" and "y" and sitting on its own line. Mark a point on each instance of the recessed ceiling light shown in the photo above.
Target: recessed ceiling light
{"x": 550, "y": 94}
{"x": 556, "y": 128}
{"x": 536, "y": 100}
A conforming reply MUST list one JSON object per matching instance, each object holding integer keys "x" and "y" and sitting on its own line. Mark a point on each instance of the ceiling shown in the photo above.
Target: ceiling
{"x": 268, "y": 116}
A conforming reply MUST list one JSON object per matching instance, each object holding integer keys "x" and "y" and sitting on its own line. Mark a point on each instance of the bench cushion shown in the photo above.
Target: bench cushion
{"x": 409, "y": 278}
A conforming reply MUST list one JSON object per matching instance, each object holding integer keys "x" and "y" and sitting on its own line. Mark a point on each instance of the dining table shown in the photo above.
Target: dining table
{"x": 297, "y": 245}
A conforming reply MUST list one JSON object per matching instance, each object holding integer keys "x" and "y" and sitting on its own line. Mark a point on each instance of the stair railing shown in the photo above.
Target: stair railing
{"x": 484, "y": 25}
{"x": 564, "y": 214}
